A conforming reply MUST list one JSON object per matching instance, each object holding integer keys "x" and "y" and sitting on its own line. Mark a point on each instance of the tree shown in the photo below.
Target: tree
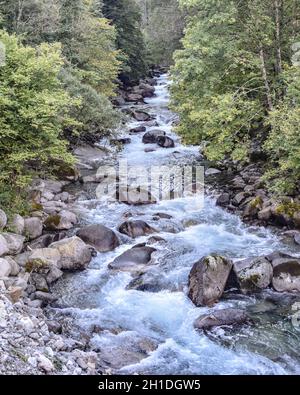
{"x": 234, "y": 77}
{"x": 126, "y": 17}
{"x": 34, "y": 110}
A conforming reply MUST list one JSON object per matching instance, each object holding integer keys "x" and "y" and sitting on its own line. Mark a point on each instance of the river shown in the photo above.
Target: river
{"x": 152, "y": 332}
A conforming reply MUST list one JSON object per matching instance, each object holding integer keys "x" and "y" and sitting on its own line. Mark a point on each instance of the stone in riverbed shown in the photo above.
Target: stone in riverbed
{"x": 152, "y": 136}
{"x": 141, "y": 116}
{"x": 15, "y": 242}
{"x": 17, "y": 224}
{"x": 4, "y": 250}
{"x": 221, "y": 318}
{"x": 136, "y": 197}
{"x": 212, "y": 172}
{"x": 75, "y": 254}
{"x": 33, "y": 227}
{"x": 253, "y": 274}
{"x": 136, "y": 228}
{"x": 138, "y": 129}
{"x": 100, "y": 237}
{"x": 207, "y": 279}
{"x": 5, "y": 268}
{"x": 65, "y": 220}
{"x": 3, "y": 219}
{"x": 286, "y": 277}
{"x": 223, "y": 200}
{"x": 165, "y": 142}
{"x": 133, "y": 260}
{"x": 120, "y": 141}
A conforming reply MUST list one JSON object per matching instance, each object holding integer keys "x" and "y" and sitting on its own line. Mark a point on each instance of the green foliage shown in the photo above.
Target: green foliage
{"x": 126, "y": 17}
{"x": 234, "y": 76}
{"x": 95, "y": 113}
{"x": 34, "y": 109}
{"x": 163, "y": 24}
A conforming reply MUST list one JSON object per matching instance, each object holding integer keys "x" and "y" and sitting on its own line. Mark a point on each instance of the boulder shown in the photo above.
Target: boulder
{"x": 265, "y": 214}
{"x": 45, "y": 240}
{"x": 223, "y": 200}
{"x": 42, "y": 259}
{"x": 65, "y": 220}
{"x": 286, "y": 276}
{"x": 5, "y": 268}
{"x": 17, "y": 224}
{"x": 239, "y": 198}
{"x": 3, "y": 219}
{"x": 158, "y": 216}
{"x": 136, "y": 228}
{"x": 135, "y": 197}
{"x": 33, "y": 228}
{"x": 152, "y": 136}
{"x": 75, "y": 254}
{"x": 134, "y": 97}
{"x": 146, "y": 90}
{"x": 133, "y": 260}
{"x": 207, "y": 279}
{"x": 138, "y": 129}
{"x": 100, "y": 237}
{"x": 221, "y": 318}
{"x": 4, "y": 250}
{"x": 253, "y": 274}
{"x": 15, "y": 269}
{"x": 165, "y": 142}
{"x": 15, "y": 242}
{"x": 141, "y": 116}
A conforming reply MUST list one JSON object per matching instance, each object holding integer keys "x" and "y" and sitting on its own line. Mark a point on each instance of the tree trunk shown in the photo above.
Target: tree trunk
{"x": 265, "y": 78}
{"x": 278, "y": 9}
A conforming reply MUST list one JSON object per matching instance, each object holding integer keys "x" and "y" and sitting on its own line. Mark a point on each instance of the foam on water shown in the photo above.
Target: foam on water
{"x": 101, "y": 297}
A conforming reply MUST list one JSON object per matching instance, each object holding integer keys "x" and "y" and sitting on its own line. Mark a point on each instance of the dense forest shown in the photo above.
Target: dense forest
{"x": 235, "y": 71}
{"x": 237, "y": 84}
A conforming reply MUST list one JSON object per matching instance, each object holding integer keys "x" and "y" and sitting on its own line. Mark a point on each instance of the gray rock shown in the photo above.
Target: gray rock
{"x": 221, "y": 318}
{"x": 39, "y": 282}
{"x": 265, "y": 214}
{"x": 254, "y": 274}
{"x": 141, "y": 116}
{"x": 43, "y": 258}
{"x": 138, "y": 129}
{"x": 15, "y": 269}
{"x": 3, "y": 219}
{"x": 207, "y": 280}
{"x": 15, "y": 242}
{"x": 100, "y": 237}
{"x": 165, "y": 142}
{"x": 4, "y": 250}
{"x": 223, "y": 200}
{"x": 134, "y": 97}
{"x": 17, "y": 224}
{"x": 239, "y": 198}
{"x": 133, "y": 260}
{"x": 136, "y": 198}
{"x": 152, "y": 136}
{"x": 286, "y": 277}
{"x": 5, "y": 268}
{"x": 45, "y": 297}
{"x": 33, "y": 227}
{"x": 65, "y": 220}
{"x": 75, "y": 254}
{"x": 136, "y": 228}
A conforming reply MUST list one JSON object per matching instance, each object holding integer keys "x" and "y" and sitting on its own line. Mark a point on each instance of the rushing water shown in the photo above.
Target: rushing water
{"x": 152, "y": 332}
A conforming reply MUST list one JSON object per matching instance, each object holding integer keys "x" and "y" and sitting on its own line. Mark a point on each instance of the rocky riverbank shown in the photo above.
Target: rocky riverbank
{"x": 241, "y": 190}
{"x": 39, "y": 250}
